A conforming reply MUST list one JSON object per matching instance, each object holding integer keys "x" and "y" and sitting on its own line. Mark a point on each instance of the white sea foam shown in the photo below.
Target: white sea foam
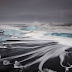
{"x": 40, "y": 35}
{"x": 45, "y": 52}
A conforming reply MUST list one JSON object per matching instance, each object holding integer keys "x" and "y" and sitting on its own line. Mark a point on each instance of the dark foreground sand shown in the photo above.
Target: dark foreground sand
{"x": 18, "y": 48}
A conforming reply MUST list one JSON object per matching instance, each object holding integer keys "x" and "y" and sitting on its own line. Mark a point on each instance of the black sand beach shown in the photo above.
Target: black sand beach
{"x": 16, "y": 52}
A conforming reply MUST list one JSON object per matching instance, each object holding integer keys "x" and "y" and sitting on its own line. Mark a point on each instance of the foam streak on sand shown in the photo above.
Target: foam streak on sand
{"x": 44, "y": 54}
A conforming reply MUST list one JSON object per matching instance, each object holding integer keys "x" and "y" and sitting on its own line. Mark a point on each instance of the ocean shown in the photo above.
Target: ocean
{"x": 36, "y": 50}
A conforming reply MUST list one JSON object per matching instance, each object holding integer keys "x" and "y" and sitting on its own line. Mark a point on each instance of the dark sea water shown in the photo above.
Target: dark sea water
{"x": 29, "y": 28}
{"x": 69, "y": 35}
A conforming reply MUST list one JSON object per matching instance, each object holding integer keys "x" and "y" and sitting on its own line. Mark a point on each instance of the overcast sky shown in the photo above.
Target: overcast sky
{"x": 20, "y": 11}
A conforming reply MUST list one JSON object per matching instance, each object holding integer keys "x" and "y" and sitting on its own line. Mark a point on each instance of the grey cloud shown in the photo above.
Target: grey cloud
{"x": 36, "y": 10}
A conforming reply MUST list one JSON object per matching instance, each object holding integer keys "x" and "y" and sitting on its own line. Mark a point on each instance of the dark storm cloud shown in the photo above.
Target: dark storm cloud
{"x": 36, "y": 10}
